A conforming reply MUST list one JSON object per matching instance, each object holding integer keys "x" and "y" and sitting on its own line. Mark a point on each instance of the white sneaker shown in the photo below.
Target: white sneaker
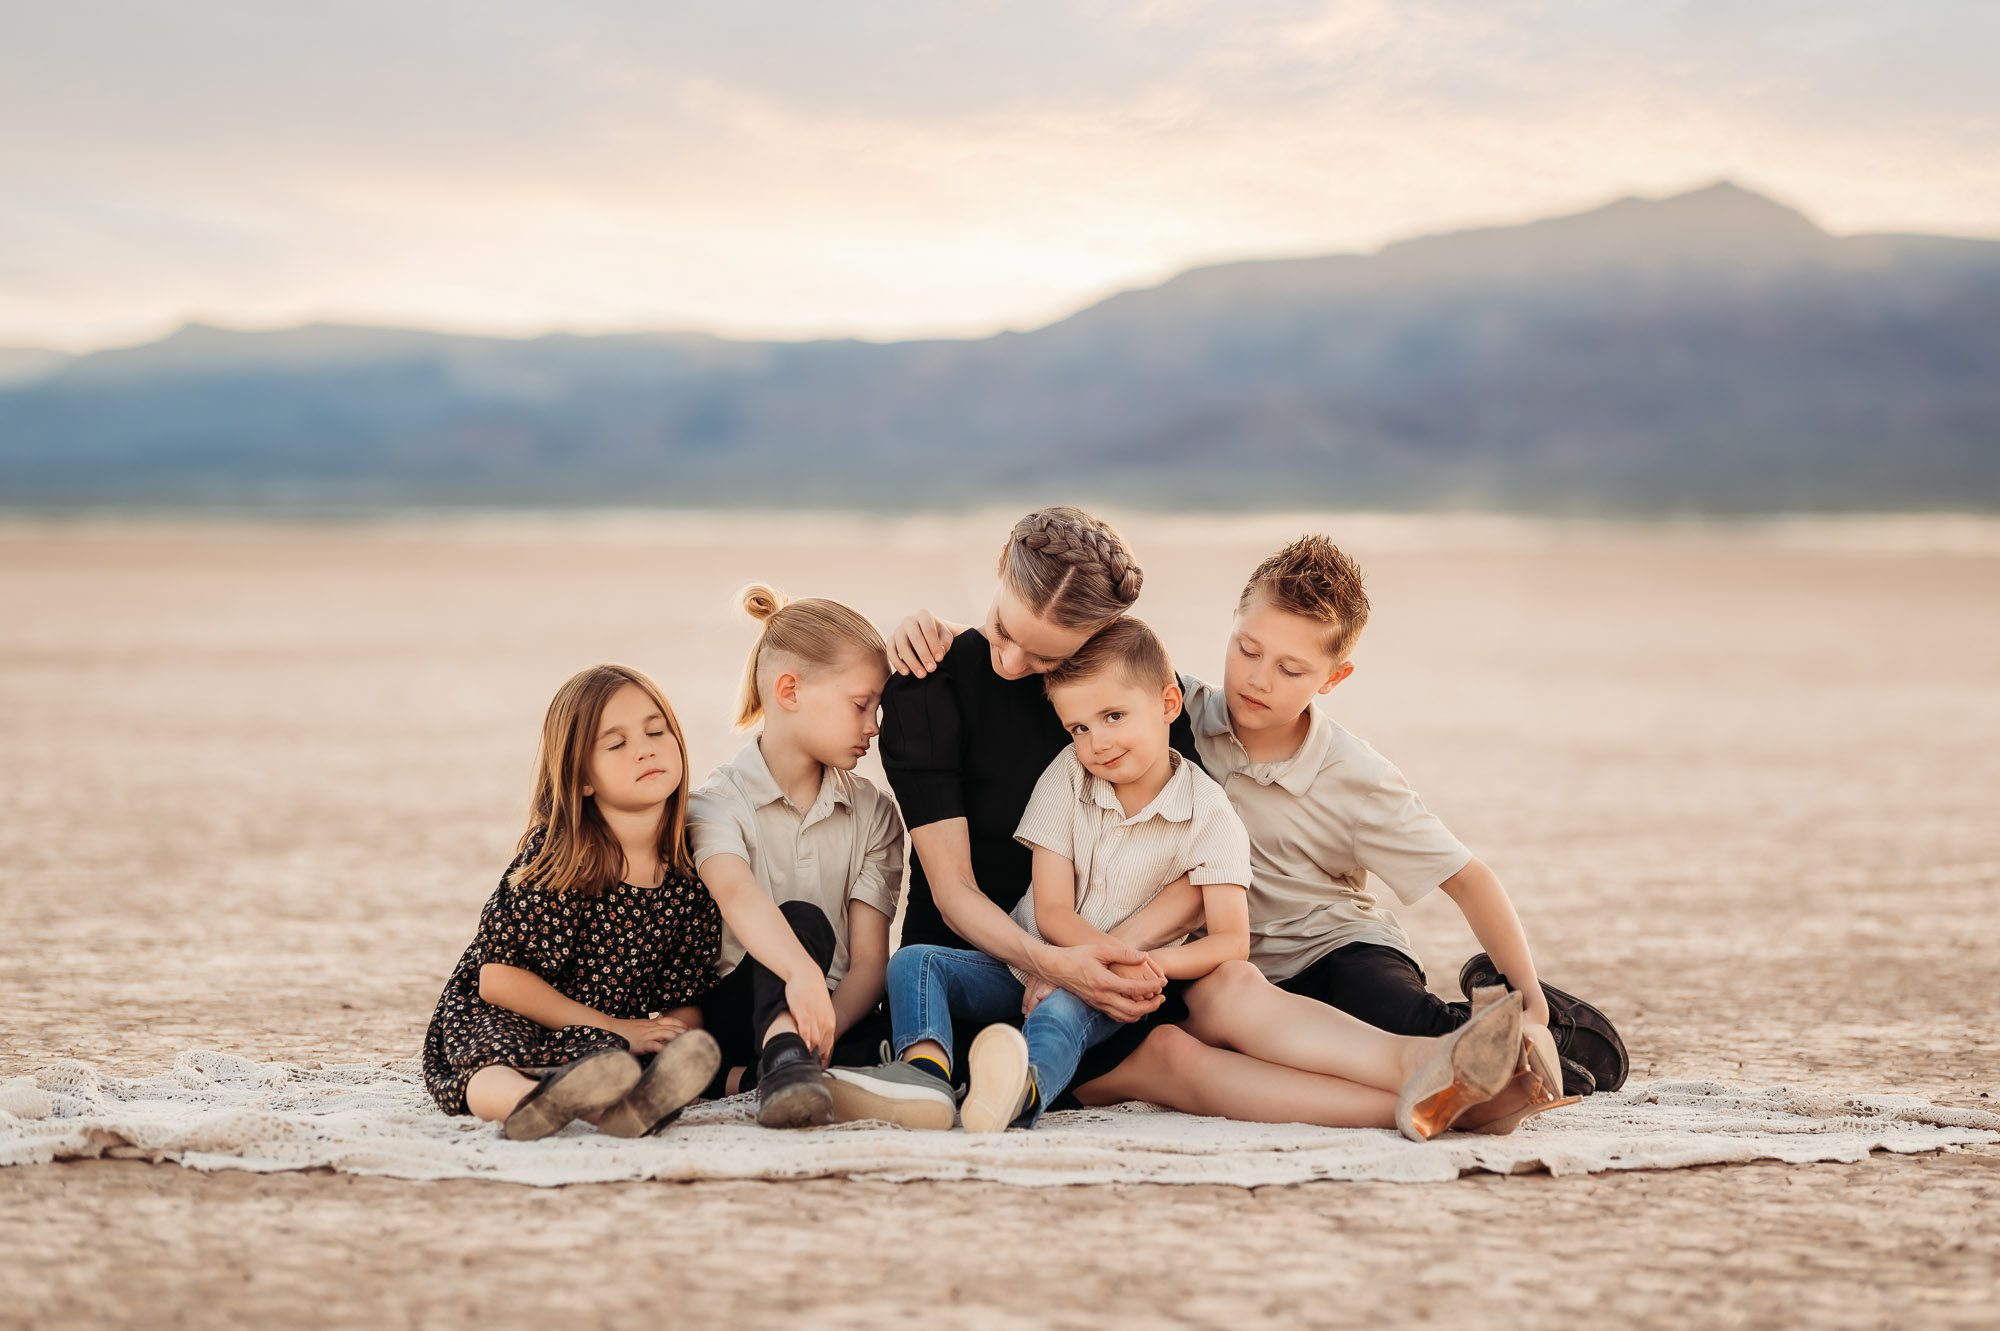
{"x": 997, "y": 1072}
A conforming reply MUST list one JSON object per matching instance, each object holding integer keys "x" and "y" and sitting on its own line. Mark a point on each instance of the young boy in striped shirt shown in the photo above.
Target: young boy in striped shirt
{"x": 1115, "y": 818}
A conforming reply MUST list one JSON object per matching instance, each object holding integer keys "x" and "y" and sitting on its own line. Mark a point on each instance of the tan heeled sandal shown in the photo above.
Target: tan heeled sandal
{"x": 1535, "y": 1087}
{"x": 1472, "y": 1065}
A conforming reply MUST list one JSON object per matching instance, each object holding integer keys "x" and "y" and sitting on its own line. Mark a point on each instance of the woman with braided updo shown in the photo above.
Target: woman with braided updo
{"x": 963, "y": 748}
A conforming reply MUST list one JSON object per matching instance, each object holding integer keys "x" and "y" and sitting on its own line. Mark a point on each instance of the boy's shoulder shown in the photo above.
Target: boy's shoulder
{"x": 868, "y": 800}
{"x": 1205, "y": 789}
{"x": 726, "y": 785}
{"x": 1061, "y": 786}
{"x": 1208, "y": 799}
{"x": 1346, "y": 751}
{"x": 1067, "y": 768}
{"x": 1345, "y": 759}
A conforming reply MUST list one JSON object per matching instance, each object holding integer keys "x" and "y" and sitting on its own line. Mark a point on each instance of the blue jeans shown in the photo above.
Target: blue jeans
{"x": 929, "y": 986}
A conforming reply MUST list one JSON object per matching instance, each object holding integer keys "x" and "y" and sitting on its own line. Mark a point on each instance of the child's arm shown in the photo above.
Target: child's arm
{"x": 1490, "y": 912}
{"x": 1226, "y": 913}
{"x": 1054, "y": 885}
{"x": 872, "y": 898}
{"x": 1174, "y": 913}
{"x": 766, "y": 935}
{"x": 867, "y": 977}
{"x": 527, "y": 993}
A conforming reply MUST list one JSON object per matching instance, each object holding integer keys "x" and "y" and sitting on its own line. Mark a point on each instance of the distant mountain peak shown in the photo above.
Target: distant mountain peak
{"x": 1723, "y": 208}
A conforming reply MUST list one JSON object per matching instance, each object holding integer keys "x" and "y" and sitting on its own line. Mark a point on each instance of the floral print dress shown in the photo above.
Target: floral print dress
{"x": 626, "y": 953}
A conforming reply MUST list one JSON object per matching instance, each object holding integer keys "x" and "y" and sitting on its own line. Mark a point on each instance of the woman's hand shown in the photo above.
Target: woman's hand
{"x": 647, "y": 1035}
{"x": 1086, "y": 971}
{"x": 1145, "y": 972}
{"x": 920, "y": 642}
{"x": 812, "y": 1011}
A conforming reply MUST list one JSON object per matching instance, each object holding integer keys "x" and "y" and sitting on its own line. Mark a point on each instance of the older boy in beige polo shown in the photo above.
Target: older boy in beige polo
{"x": 1325, "y": 811}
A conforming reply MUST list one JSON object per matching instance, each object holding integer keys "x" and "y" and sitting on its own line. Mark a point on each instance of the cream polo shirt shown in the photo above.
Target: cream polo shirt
{"x": 847, "y": 847}
{"x": 1320, "y": 822}
{"x": 1122, "y": 862}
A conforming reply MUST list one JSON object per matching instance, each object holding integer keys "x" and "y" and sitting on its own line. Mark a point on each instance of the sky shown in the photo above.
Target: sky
{"x": 802, "y": 168}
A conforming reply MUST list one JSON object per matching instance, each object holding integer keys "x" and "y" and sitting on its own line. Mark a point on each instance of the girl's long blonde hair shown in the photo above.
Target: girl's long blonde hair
{"x": 567, "y": 846}
{"x": 811, "y": 632}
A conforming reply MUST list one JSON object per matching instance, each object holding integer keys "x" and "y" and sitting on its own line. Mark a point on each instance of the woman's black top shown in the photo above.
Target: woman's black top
{"x": 965, "y": 743}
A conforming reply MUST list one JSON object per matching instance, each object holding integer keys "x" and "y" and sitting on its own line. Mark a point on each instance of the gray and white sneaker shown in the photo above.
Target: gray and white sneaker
{"x": 892, "y": 1092}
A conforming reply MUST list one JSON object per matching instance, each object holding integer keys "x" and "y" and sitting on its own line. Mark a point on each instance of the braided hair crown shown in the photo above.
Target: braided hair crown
{"x": 1070, "y": 567}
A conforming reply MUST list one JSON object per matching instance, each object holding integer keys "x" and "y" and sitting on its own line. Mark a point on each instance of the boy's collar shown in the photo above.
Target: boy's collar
{"x": 1175, "y": 802}
{"x": 754, "y": 774}
{"x": 1296, "y": 773}
{"x": 1211, "y": 718}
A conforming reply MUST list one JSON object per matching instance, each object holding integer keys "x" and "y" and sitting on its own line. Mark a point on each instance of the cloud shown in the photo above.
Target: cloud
{"x": 890, "y": 168}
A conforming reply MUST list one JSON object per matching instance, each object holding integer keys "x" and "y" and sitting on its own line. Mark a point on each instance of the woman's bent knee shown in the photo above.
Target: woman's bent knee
{"x": 1159, "y": 1070}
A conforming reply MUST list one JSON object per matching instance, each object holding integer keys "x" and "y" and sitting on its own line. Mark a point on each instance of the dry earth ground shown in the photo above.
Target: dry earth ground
{"x": 1740, "y": 780}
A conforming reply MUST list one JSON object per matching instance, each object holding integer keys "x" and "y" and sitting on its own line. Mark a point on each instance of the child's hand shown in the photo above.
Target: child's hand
{"x": 812, "y": 1011}
{"x": 1036, "y": 991}
{"x": 1148, "y": 970}
{"x": 646, "y": 1035}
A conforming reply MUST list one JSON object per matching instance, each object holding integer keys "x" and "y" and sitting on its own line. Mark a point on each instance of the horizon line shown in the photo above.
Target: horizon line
{"x": 724, "y": 332}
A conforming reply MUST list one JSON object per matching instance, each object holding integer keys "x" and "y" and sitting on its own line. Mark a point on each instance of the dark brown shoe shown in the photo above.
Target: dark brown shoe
{"x": 594, "y": 1082}
{"x": 676, "y": 1075}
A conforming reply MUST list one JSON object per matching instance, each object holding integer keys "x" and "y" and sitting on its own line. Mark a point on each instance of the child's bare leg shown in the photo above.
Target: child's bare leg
{"x": 493, "y": 1091}
{"x": 1174, "y": 1069}
{"x": 1235, "y": 1007}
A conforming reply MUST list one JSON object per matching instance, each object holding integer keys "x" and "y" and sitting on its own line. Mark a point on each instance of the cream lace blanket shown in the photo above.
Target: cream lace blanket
{"x": 217, "y": 1111}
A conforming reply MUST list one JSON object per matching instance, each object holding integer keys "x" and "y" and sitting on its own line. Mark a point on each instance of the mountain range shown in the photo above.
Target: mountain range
{"x": 1713, "y": 351}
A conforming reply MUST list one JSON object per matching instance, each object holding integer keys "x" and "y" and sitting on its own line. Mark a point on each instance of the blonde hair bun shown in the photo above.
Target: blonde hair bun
{"x": 760, "y": 602}
{"x": 812, "y": 632}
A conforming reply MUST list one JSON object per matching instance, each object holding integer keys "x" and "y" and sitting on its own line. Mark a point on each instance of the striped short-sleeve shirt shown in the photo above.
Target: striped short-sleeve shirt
{"x": 1122, "y": 861}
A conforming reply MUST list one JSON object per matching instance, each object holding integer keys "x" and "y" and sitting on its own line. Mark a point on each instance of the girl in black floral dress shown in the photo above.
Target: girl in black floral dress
{"x": 576, "y": 997}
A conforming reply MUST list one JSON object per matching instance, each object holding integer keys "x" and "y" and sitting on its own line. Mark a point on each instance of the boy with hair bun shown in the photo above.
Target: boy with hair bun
{"x": 788, "y": 820}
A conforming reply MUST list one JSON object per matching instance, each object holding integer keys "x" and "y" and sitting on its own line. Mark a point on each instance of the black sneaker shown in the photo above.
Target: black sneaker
{"x": 791, "y": 1088}
{"x": 1594, "y": 1058}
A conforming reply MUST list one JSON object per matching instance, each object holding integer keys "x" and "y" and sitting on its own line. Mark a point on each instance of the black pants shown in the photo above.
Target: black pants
{"x": 1381, "y": 986}
{"x": 739, "y": 1010}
